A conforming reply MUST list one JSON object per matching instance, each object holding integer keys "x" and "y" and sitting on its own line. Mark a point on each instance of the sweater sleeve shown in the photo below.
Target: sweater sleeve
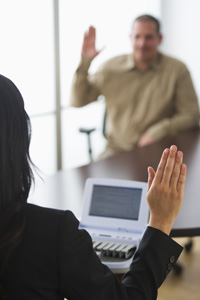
{"x": 85, "y": 87}
{"x": 186, "y": 109}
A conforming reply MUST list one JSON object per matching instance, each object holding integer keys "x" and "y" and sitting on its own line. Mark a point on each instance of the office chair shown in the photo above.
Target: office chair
{"x": 88, "y": 132}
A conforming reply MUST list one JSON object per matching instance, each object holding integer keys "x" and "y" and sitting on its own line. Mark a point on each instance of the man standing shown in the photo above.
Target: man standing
{"x": 148, "y": 94}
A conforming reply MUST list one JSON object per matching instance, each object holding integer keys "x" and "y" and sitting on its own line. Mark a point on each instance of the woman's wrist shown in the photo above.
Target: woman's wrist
{"x": 161, "y": 225}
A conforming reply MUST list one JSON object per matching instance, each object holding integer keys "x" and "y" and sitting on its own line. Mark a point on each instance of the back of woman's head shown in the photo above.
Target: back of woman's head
{"x": 15, "y": 171}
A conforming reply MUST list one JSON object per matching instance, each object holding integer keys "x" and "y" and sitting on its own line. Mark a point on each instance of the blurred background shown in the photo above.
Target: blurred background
{"x": 40, "y": 50}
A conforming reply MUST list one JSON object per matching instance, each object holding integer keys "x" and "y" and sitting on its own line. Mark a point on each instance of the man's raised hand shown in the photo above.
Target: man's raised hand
{"x": 88, "y": 47}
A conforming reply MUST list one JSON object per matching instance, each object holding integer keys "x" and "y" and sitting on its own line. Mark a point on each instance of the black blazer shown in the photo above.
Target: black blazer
{"x": 55, "y": 260}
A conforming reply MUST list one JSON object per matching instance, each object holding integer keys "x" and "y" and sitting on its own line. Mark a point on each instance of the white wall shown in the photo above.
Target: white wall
{"x": 180, "y": 26}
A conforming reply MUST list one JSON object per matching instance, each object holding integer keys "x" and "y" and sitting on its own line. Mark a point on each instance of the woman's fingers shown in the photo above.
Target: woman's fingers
{"x": 177, "y": 169}
{"x": 151, "y": 175}
{"x": 182, "y": 178}
{"x": 161, "y": 166}
{"x": 169, "y": 168}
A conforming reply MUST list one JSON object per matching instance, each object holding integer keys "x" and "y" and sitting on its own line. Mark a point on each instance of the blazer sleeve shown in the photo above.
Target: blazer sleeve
{"x": 83, "y": 276}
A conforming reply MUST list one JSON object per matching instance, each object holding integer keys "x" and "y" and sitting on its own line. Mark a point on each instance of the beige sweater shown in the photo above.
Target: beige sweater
{"x": 160, "y": 101}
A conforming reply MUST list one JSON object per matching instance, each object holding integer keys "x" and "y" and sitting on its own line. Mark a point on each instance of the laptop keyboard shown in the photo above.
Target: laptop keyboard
{"x": 113, "y": 251}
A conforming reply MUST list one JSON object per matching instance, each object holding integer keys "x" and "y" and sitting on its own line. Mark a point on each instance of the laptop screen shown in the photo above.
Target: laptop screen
{"x": 115, "y": 202}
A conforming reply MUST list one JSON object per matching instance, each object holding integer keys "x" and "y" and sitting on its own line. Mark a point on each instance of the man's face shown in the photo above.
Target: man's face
{"x": 145, "y": 41}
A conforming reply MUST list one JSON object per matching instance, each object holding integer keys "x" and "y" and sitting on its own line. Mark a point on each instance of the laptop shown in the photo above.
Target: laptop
{"x": 115, "y": 213}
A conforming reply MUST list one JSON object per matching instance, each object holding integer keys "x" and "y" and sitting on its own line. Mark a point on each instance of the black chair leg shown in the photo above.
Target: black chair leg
{"x": 188, "y": 245}
{"x": 178, "y": 268}
{"x": 88, "y": 132}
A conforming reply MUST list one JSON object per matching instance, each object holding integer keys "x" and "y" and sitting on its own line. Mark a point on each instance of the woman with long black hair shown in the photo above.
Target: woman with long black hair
{"x": 15, "y": 171}
{"x": 43, "y": 254}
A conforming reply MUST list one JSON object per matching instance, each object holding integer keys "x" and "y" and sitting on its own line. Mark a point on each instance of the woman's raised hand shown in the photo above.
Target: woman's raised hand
{"x": 166, "y": 189}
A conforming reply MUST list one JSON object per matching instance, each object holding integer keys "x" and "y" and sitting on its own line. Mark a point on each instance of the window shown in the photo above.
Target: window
{"x": 28, "y": 58}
